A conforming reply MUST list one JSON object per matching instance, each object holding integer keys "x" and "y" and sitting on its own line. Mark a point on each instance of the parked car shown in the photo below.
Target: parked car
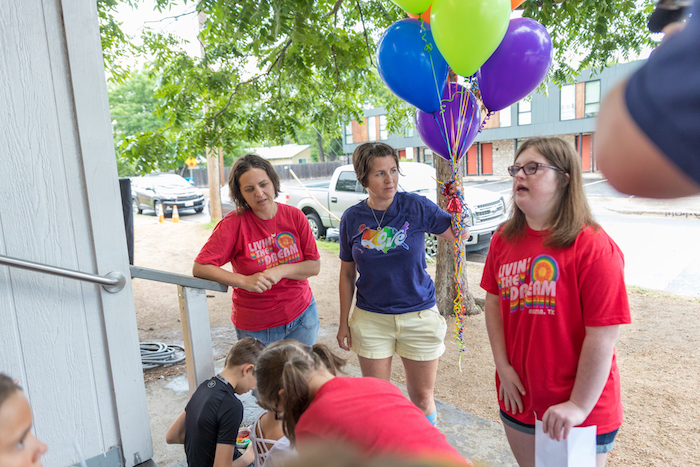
{"x": 488, "y": 210}
{"x": 168, "y": 190}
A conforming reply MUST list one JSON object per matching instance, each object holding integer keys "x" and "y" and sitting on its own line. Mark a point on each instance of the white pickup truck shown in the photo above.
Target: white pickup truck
{"x": 487, "y": 208}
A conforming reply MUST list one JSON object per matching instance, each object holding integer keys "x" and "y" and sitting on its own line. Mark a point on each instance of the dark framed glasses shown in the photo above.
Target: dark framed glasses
{"x": 529, "y": 168}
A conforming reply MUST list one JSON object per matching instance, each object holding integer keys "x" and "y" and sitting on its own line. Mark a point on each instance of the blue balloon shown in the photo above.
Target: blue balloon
{"x": 411, "y": 65}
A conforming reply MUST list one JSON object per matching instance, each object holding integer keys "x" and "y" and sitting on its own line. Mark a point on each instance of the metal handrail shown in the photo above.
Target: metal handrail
{"x": 112, "y": 282}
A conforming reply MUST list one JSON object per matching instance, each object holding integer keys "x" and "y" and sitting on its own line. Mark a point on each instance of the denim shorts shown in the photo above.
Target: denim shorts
{"x": 604, "y": 442}
{"x": 304, "y": 328}
{"x": 418, "y": 335}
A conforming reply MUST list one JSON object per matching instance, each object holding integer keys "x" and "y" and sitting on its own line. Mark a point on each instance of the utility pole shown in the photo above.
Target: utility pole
{"x": 212, "y": 154}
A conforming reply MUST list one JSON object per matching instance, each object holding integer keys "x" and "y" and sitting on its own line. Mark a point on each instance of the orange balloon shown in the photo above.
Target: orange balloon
{"x": 515, "y": 4}
{"x": 425, "y": 16}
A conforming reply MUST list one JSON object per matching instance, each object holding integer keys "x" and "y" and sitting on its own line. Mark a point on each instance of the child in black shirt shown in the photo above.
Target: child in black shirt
{"x": 209, "y": 424}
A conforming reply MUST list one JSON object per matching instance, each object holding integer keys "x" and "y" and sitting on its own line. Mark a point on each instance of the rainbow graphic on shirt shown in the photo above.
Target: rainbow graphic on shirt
{"x": 385, "y": 239}
{"x": 529, "y": 284}
{"x": 273, "y": 251}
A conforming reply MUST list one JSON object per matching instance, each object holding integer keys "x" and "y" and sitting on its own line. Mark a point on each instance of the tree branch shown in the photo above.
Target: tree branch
{"x": 364, "y": 29}
{"x": 337, "y": 71}
{"x": 335, "y": 9}
{"x": 278, "y": 61}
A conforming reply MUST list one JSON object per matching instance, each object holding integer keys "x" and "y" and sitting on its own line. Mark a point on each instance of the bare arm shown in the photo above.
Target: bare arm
{"x": 511, "y": 387}
{"x": 630, "y": 160}
{"x": 176, "y": 433}
{"x": 592, "y": 373}
{"x": 346, "y": 289}
{"x": 298, "y": 271}
{"x": 246, "y": 459}
{"x": 223, "y": 457}
{"x": 253, "y": 283}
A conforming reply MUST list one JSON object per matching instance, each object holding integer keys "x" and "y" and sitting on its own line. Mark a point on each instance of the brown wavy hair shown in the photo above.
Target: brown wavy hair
{"x": 288, "y": 364}
{"x": 364, "y": 155}
{"x": 571, "y": 214}
{"x": 241, "y": 166}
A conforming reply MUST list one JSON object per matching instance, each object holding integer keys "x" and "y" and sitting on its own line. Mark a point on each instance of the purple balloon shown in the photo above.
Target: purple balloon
{"x": 453, "y": 128}
{"x": 518, "y": 66}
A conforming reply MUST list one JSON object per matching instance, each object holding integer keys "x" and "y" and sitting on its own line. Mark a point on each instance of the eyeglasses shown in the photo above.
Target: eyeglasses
{"x": 529, "y": 169}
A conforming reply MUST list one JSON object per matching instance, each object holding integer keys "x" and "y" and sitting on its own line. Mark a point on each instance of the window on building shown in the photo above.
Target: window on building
{"x": 504, "y": 119}
{"x": 383, "y": 133}
{"x": 592, "y": 98}
{"x": 348, "y": 133}
{"x": 301, "y": 160}
{"x": 409, "y": 131}
{"x": 524, "y": 112}
{"x": 568, "y": 102}
{"x": 372, "y": 128}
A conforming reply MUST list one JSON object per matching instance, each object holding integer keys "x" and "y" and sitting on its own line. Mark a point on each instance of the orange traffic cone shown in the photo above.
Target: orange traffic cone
{"x": 176, "y": 215}
{"x": 160, "y": 213}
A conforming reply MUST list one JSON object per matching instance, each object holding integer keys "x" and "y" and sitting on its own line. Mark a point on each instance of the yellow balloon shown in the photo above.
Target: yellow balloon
{"x": 467, "y": 32}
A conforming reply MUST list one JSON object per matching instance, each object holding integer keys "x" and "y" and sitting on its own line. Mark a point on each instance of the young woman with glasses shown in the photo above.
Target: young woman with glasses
{"x": 555, "y": 299}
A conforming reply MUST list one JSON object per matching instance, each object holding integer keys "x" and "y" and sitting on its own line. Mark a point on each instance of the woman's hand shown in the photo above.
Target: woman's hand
{"x": 562, "y": 417}
{"x": 455, "y": 187}
{"x": 257, "y": 283}
{"x": 344, "y": 337}
{"x": 511, "y": 389}
{"x": 274, "y": 274}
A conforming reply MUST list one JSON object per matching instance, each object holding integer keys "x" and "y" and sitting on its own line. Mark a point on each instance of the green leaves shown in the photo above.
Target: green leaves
{"x": 275, "y": 71}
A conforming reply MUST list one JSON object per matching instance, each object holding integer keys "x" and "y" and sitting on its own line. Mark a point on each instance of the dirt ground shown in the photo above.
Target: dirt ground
{"x": 658, "y": 355}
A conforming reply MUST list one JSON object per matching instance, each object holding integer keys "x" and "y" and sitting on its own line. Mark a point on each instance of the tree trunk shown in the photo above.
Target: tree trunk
{"x": 319, "y": 139}
{"x": 445, "y": 269}
{"x": 214, "y": 188}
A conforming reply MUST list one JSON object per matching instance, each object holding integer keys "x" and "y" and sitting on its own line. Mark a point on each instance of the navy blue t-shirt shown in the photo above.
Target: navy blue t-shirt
{"x": 663, "y": 97}
{"x": 212, "y": 416}
{"x": 391, "y": 262}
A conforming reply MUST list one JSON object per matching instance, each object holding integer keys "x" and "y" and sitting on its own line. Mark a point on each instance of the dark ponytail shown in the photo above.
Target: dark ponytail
{"x": 288, "y": 365}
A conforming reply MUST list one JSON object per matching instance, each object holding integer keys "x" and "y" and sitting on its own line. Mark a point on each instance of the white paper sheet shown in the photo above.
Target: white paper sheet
{"x": 578, "y": 450}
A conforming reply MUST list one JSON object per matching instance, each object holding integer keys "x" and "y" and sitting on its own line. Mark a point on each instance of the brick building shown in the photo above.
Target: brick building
{"x": 569, "y": 112}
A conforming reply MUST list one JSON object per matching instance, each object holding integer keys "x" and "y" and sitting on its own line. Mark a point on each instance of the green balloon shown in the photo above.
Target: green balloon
{"x": 467, "y": 32}
{"x": 415, "y": 7}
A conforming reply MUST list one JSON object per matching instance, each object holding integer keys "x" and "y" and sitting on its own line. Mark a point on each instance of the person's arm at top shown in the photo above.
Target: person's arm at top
{"x": 592, "y": 373}
{"x": 511, "y": 387}
{"x": 629, "y": 159}
{"x": 346, "y": 289}
{"x": 176, "y": 433}
{"x": 254, "y": 283}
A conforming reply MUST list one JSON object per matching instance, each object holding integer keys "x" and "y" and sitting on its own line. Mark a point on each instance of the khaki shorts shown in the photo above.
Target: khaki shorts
{"x": 418, "y": 335}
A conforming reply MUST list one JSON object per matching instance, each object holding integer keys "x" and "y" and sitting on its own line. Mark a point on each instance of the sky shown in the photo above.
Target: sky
{"x": 184, "y": 27}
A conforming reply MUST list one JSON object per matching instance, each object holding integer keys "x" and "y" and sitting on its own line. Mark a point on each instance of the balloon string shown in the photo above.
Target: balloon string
{"x": 486, "y": 119}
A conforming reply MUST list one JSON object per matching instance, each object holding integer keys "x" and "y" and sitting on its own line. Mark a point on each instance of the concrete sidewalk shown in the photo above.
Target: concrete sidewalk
{"x": 480, "y": 440}
{"x": 688, "y": 207}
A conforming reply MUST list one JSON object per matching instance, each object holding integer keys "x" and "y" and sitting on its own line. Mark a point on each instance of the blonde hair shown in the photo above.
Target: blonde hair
{"x": 571, "y": 213}
{"x": 288, "y": 365}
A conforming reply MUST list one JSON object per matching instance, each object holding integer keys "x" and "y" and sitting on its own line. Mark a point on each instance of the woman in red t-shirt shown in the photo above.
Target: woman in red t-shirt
{"x": 555, "y": 299}
{"x": 272, "y": 252}
{"x": 368, "y": 414}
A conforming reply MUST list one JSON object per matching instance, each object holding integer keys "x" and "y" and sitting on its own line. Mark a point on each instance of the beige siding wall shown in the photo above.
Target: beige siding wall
{"x": 503, "y": 152}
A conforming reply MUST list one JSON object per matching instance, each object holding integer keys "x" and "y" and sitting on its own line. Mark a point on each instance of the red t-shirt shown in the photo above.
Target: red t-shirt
{"x": 375, "y": 417}
{"x": 547, "y": 297}
{"x": 251, "y": 246}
